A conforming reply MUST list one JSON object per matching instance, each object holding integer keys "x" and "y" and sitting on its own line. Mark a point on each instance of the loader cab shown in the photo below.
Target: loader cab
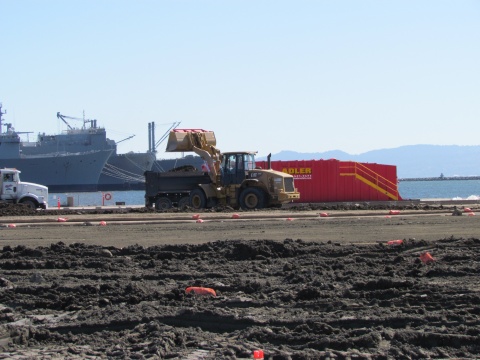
{"x": 235, "y": 167}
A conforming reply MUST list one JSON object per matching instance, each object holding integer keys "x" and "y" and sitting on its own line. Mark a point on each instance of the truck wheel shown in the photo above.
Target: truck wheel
{"x": 29, "y": 203}
{"x": 252, "y": 198}
{"x": 163, "y": 203}
{"x": 198, "y": 200}
{"x": 183, "y": 202}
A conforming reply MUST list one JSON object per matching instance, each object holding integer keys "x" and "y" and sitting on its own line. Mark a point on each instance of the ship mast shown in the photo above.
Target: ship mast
{"x": 1, "y": 113}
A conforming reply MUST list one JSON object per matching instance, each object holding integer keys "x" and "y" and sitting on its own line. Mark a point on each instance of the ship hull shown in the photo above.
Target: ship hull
{"x": 70, "y": 172}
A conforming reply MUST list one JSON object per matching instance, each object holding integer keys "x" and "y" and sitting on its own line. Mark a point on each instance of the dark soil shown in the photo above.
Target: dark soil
{"x": 7, "y": 209}
{"x": 292, "y": 299}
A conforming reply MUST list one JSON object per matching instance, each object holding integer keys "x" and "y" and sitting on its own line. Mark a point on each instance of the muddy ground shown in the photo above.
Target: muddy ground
{"x": 293, "y": 284}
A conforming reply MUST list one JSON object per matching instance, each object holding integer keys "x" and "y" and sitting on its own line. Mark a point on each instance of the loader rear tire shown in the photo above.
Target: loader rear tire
{"x": 163, "y": 203}
{"x": 198, "y": 200}
{"x": 252, "y": 198}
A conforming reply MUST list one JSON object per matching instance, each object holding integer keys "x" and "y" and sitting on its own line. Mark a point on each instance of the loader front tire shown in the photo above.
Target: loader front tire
{"x": 252, "y": 198}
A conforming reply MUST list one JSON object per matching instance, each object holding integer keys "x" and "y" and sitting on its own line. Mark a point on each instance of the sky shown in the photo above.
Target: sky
{"x": 300, "y": 75}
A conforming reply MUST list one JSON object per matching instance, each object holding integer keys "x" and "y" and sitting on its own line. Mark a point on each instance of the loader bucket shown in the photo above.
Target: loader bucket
{"x": 180, "y": 140}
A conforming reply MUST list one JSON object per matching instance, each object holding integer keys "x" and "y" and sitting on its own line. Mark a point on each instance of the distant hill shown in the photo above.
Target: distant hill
{"x": 411, "y": 160}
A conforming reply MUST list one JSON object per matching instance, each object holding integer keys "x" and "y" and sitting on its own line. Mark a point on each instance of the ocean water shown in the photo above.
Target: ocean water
{"x": 441, "y": 189}
{"x": 97, "y": 198}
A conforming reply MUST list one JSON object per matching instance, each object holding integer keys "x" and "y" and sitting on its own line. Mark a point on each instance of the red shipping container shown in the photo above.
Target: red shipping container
{"x": 340, "y": 181}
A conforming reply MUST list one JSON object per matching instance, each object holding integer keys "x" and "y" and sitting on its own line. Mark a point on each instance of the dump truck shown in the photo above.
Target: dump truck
{"x": 12, "y": 190}
{"x": 230, "y": 178}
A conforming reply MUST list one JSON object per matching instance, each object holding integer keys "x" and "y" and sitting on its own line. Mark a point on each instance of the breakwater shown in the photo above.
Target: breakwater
{"x": 441, "y": 178}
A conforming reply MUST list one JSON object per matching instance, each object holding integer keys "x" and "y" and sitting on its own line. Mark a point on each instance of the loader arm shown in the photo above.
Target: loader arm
{"x": 201, "y": 142}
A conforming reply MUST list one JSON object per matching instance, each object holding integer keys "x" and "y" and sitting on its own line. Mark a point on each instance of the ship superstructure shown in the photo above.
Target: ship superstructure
{"x": 121, "y": 171}
{"x": 59, "y": 169}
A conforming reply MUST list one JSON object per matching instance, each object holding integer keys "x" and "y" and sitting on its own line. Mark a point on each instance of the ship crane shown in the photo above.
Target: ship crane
{"x": 153, "y": 145}
{"x": 93, "y": 122}
{"x": 128, "y": 138}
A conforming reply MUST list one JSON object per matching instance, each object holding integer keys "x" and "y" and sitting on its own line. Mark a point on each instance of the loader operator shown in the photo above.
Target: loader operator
{"x": 205, "y": 167}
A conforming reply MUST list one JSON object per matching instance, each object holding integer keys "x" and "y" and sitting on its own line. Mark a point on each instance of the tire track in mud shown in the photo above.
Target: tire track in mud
{"x": 76, "y": 219}
{"x": 293, "y": 299}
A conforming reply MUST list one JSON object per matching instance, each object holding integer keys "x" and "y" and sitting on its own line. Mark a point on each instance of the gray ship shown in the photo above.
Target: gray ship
{"x": 60, "y": 170}
{"x": 121, "y": 171}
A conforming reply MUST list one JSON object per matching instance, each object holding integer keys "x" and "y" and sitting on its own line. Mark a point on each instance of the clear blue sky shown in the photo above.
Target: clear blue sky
{"x": 308, "y": 76}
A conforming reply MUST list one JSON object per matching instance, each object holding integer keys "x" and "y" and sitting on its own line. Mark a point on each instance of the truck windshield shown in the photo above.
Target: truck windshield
{"x": 8, "y": 177}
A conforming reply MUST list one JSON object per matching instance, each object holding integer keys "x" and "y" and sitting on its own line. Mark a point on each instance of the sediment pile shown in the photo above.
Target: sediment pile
{"x": 292, "y": 299}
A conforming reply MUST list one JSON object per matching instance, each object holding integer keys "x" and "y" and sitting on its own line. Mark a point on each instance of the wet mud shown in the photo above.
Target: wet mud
{"x": 292, "y": 299}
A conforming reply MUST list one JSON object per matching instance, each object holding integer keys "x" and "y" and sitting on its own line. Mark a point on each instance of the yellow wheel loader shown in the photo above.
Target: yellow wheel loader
{"x": 229, "y": 178}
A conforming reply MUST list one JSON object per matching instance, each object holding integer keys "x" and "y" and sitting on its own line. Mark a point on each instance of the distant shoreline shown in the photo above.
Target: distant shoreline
{"x": 441, "y": 178}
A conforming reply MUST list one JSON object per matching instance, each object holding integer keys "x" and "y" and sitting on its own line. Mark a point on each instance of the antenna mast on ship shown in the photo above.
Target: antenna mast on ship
{"x": 1, "y": 113}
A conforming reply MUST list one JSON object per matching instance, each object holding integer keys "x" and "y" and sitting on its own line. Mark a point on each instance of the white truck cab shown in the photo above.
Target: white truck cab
{"x": 12, "y": 190}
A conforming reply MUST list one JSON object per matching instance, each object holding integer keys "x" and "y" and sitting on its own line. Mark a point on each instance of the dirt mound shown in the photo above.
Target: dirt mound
{"x": 292, "y": 299}
{"x": 7, "y": 209}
